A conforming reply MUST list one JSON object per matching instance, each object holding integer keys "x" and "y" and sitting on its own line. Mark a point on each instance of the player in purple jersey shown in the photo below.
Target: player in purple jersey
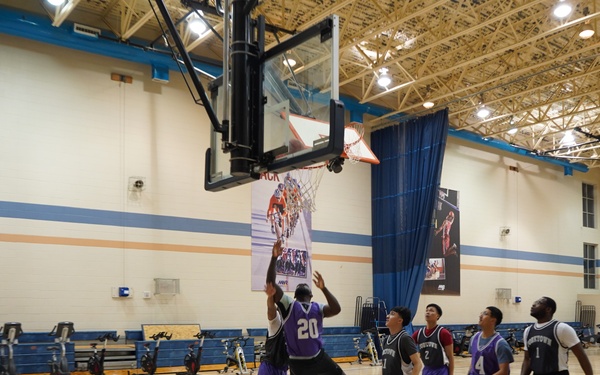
{"x": 303, "y": 323}
{"x": 490, "y": 353}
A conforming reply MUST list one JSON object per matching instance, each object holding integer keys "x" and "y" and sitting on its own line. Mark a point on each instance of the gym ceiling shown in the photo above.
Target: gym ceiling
{"x": 539, "y": 79}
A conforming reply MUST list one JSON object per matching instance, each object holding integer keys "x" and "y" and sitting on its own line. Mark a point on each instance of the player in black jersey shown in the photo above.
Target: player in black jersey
{"x": 275, "y": 360}
{"x": 400, "y": 354}
{"x": 547, "y": 343}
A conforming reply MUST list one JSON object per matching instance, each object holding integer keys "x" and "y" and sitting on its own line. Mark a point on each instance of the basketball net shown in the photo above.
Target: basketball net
{"x": 301, "y": 184}
{"x": 301, "y": 187}
{"x": 353, "y": 134}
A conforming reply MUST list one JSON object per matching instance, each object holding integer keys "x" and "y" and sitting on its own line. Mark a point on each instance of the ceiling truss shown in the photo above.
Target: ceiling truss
{"x": 532, "y": 70}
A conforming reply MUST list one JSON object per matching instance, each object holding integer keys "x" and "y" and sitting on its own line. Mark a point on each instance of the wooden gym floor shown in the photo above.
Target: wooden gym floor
{"x": 461, "y": 366}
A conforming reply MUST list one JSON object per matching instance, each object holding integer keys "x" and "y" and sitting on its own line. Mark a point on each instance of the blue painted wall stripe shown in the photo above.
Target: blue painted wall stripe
{"x": 520, "y": 255}
{"x": 30, "y": 211}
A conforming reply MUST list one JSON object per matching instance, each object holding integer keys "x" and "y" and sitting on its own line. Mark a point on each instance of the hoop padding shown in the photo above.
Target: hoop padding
{"x": 353, "y": 135}
{"x": 301, "y": 187}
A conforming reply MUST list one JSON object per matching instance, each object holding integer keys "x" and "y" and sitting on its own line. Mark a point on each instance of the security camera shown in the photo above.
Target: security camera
{"x": 507, "y": 231}
{"x": 504, "y": 231}
{"x": 335, "y": 165}
{"x": 138, "y": 184}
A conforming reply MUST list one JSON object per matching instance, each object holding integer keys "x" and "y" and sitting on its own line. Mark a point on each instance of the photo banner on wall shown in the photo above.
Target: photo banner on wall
{"x": 443, "y": 261}
{"x": 271, "y": 221}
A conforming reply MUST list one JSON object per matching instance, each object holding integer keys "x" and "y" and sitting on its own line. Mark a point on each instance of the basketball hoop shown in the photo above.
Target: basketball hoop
{"x": 301, "y": 188}
{"x": 353, "y": 134}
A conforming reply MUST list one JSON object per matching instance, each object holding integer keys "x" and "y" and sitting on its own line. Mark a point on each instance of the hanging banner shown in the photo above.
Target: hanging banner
{"x": 271, "y": 221}
{"x": 443, "y": 262}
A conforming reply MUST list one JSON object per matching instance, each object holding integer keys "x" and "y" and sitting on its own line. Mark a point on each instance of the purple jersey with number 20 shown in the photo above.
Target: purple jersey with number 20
{"x": 303, "y": 326}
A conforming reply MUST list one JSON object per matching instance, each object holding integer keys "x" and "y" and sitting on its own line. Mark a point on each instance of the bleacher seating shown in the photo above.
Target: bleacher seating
{"x": 257, "y": 332}
{"x": 32, "y": 356}
{"x": 133, "y": 335}
{"x": 338, "y": 342}
{"x": 172, "y": 352}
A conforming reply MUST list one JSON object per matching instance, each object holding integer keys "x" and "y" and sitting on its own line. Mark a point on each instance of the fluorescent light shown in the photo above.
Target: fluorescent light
{"x": 483, "y": 112}
{"x": 562, "y": 10}
{"x": 586, "y": 32}
{"x": 428, "y": 104}
{"x": 56, "y": 2}
{"x": 512, "y": 131}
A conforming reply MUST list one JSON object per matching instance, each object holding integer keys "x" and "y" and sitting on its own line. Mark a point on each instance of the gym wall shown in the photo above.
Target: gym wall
{"x": 71, "y": 139}
{"x": 542, "y": 254}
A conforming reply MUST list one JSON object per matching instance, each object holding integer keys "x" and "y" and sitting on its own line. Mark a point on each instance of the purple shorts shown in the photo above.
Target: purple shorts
{"x": 267, "y": 368}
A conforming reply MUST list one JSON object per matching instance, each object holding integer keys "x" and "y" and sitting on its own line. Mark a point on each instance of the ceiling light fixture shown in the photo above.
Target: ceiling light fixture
{"x": 587, "y": 31}
{"x": 288, "y": 61}
{"x": 56, "y": 2}
{"x": 513, "y": 129}
{"x": 197, "y": 26}
{"x": 483, "y": 112}
{"x": 568, "y": 139}
{"x": 562, "y": 9}
{"x": 384, "y": 79}
{"x": 428, "y": 103}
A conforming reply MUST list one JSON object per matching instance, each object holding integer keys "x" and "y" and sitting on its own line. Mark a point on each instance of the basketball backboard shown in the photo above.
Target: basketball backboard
{"x": 299, "y": 90}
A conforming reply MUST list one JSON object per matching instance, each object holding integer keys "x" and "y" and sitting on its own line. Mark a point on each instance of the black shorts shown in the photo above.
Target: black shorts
{"x": 322, "y": 364}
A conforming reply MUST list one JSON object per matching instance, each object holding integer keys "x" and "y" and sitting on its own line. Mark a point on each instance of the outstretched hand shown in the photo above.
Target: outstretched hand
{"x": 318, "y": 280}
{"x": 270, "y": 289}
{"x": 277, "y": 249}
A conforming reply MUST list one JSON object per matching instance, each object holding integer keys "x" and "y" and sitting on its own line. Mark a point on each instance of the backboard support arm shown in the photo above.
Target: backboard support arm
{"x": 187, "y": 61}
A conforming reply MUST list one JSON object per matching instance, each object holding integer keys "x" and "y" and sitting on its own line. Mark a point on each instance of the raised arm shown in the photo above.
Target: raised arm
{"x": 332, "y": 308}
{"x": 271, "y": 306}
{"x": 271, "y": 274}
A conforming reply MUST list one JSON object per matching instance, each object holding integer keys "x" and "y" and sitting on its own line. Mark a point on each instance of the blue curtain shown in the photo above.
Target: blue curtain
{"x": 404, "y": 190}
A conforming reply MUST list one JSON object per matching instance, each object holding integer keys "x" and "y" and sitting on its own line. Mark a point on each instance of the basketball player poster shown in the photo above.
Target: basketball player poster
{"x": 443, "y": 261}
{"x": 271, "y": 220}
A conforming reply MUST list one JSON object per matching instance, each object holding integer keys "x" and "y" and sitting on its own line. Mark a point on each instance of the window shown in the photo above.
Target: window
{"x": 587, "y": 193}
{"x": 589, "y": 266}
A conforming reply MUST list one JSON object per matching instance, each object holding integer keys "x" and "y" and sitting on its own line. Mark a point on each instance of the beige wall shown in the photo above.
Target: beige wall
{"x": 71, "y": 137}
{"x": 542, "y": 207}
